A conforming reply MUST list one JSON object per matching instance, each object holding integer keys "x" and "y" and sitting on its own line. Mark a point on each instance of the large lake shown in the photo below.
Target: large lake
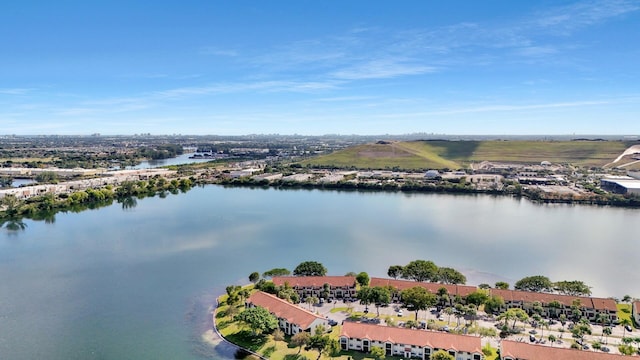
{"x": 137, "y": 283}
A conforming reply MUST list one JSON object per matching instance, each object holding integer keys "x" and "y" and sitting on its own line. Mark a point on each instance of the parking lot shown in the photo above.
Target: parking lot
{"x": 339, "y": 311}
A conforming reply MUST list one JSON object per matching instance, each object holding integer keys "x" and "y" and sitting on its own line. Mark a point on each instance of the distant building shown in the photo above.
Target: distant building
{"x": 621, "y": 185}
{"x": 635, "y": 310}
{"x": 431, "y": 174}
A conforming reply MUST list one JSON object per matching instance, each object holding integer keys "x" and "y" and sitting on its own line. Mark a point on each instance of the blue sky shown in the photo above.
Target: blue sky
{"x": 320, "y": 67}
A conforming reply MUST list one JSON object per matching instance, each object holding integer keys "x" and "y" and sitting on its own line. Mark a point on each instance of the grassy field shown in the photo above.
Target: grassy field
{"x": 459, "y": 154}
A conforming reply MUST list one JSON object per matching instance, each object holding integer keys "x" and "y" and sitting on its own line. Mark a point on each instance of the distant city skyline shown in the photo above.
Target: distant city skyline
{"x": 320, "y": 67}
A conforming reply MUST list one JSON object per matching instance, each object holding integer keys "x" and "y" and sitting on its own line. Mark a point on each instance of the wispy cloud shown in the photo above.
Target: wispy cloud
{"x": 382, "y": 69}
{"x": 15, "y": 91}
{"x": 566, "y": 19}
{"x": 265, "y": 86}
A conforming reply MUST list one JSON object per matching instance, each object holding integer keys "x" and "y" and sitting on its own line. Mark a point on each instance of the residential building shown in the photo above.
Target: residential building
{"x": 340, "y": 287}
{"x": 292, "y": 319}
{"x": 408, "y": 343}
{"x": 514, "y": 350}
{"x": 635, "y": 310}
{"x": 398, "y": 285}
{"x": 589, "y": 306}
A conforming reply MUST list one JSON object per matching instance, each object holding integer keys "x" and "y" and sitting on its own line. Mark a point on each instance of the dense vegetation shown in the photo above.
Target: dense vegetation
{"x": 44, "y": 207}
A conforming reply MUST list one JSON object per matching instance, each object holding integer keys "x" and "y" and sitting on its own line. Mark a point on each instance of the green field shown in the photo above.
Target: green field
{"x": 459, "y": 154}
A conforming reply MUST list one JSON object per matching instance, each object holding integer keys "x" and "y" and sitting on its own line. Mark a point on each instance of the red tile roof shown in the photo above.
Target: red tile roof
{"x": 283, "y": 309}
{"x": 422, "y": 338}
{"x": 315, "y": 281}
{"x": 453, "y": 290}
{"x": 636, "y": 307}
{"x": 546, "y": 298}
{"x": 524, "y": 351}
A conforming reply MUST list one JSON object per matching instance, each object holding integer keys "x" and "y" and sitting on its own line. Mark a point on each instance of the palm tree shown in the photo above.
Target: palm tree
{"x": 606, "y": 332}
{"x": 449, "y": 311}
{"x": 543, "y": 324}
{"x": 552, "y": 339}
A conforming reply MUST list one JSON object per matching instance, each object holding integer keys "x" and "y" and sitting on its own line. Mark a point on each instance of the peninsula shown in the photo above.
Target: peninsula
{"x": 422, "y": 311}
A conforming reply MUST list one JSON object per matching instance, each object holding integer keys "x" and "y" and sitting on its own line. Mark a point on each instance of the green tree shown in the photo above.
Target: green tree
{"x": 442, "y": 355}
{"x": 502, "y": 285}
{"x": 380, "y": 296}
{"x": 395, "y": 271}
{"x": 514, "y": 314}
{"x": 259, "y": 319}
{"x": 484, "y": 286}
{"x": 300, "y": 339}
{"x": 47, "y": 177}
{"x": 276, "y": 272}
{"x": 377, "y": 352}
{"x": 254, "y": 277}
{"x": 448, "y": 275}
{"x": 573, "y": 288}
{"x": 365, "y": 295}
{"x": 626, "y": 349}
{"x": 363, "y": 279}
{"x": 477, "y": 298}
{"x": 278, "y": 335}
{"x": 417, "y": 298}
{"x": 535, "y": 283}
{"x": 420, "y": 270}
{"x": 606, "y": 332}
{"x": 318, "y": 342}
{"x": 331, "y": 348}
{"x": 443, "y": 297}
{"x": 310, "y": 268}
{"x": 326, "y": 291}
{"x": 581, "y": 329}
{"x": 493, "y": 304}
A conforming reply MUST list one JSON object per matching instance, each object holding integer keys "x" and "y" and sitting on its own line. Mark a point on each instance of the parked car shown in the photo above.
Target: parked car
{"x": 532, "y": 338}
{"x": 605, "y": 349}
{"x": 400, "y": 312}
{"x": 628, "y": 328}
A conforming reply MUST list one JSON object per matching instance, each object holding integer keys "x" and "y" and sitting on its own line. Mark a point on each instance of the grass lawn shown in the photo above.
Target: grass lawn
{"x": 622, "y": 314}
{"x": 458, "y": 154}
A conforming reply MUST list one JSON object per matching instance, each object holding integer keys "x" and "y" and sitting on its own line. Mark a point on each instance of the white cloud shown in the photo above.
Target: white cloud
{"x": 566, "y": 19}
{"x": 15, "y": 91}
{"x": 381, "y": 69}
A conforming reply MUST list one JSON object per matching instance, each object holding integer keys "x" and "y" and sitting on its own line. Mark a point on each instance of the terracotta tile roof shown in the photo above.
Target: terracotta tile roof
{"x": 524, "y": 351}
{"x": 507, "y": 295}
{"x": 462, "y": 290}
{"x": 545, "y": 298}
{"x": 283, "y": 309}
{"x": 315, "y": 281}
{"x": 636, "y": 306}
{"x": 422, "y": 338}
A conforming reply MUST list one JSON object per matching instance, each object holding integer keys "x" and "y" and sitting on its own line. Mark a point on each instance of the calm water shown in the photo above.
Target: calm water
{"x": 178, "y": 160}
{"x": 137, "y": 283}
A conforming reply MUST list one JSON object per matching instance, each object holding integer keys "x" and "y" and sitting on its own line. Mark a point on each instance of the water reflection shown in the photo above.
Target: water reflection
{"x": 129, "y": 202}
{"x": 115, "y": 284}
